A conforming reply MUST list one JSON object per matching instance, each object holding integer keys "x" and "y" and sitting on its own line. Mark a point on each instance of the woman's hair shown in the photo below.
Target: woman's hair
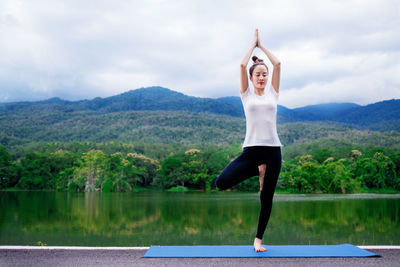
{"x": 256, "y": 61}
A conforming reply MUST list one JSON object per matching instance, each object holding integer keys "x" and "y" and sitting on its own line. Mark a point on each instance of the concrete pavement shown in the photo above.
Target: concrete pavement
{"x": 78, "y": 256}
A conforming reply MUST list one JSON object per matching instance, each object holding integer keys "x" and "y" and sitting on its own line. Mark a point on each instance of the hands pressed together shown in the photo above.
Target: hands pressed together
{"x": 257, "y": 42}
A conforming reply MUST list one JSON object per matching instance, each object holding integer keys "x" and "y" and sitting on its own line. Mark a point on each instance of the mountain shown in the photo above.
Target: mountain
{"x": 159, "y": 116}
{"x": 151, "y": 98}
{"x": 321, "y": 111}
{"x": 382, "y": 116}
{"x": 177, "y": 129}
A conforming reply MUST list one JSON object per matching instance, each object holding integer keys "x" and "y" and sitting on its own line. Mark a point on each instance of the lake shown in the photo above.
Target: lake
{"x": 195, "y": 218}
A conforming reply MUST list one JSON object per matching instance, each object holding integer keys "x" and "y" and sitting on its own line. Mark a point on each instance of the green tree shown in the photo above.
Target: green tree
{"x": 304, "y": 177}
{"x": 342, "y": 178}
{"x": 377, "y": 172}
{"x": 215, "y": 162}
{"x": 143, "y": 169}
{"x": 62, "y": 165}
{"x": 91, "y": 172}
{"x": 116, "y": 179}
{"x": 8, "y": 170}
{"x": 172, "y": 172}
{"x": 196, "y": 170}
{"x": 36, "y": 172}
{"x": 321, "y": 154}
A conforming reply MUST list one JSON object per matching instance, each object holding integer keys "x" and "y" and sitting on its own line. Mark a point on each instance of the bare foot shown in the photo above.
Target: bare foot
{"x": 257, "y": 245}
{"x": 261, "y": 174}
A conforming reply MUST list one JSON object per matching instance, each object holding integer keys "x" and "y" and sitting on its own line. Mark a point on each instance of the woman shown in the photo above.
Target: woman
{"x": 261, "y": 148}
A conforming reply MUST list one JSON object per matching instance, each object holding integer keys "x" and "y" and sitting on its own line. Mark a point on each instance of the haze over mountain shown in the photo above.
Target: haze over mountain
{"x": 382, "y": 116}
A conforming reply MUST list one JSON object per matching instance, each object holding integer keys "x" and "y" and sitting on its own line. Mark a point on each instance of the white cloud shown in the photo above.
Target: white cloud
{"x": 331, "y": 51}
{"x": 378, "y": 80}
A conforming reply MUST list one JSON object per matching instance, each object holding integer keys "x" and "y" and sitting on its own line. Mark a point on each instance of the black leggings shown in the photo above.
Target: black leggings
{"x": 246, "y": 166}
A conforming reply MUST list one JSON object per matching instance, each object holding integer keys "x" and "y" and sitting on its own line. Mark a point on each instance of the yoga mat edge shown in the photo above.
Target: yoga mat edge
{"x": 279, "y": 251}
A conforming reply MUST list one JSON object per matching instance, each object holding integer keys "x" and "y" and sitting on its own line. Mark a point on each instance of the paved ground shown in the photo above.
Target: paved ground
{"x": 99, "y": 257}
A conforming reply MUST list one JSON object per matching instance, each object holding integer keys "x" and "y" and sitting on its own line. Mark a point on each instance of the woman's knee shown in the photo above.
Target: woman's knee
{"x": 221, "y": 182}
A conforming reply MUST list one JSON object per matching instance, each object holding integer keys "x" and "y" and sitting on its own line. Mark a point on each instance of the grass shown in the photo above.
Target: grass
{"x": 379, "y": 191}
{"x": 178, "y": 188}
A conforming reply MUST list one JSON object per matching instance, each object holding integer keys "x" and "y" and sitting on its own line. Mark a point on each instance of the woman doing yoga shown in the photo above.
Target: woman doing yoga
{"x": 261, "y": 148}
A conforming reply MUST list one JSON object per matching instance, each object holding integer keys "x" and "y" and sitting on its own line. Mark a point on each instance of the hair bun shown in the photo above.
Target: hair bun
{"x": 257, "y": 60}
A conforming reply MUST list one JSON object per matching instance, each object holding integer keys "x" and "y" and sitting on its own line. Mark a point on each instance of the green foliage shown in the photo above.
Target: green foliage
{"x": 91, "y": 172}
{"x": 378, "y": 172}
{"x": 157, "y": 137}
{"x": 171, "y": 173}
{"x": 40, "y": 243}
{"x": 63, "y": 164}
{"x": 249, "y": 185}
{"x": 317, "y": 167}
{"x": 305, "y": 176}
{"x": 178, "y": 188}
{"x": 71, "y": 171}
{"x": 340, "y": 176}
{"x": 35, "y": 172}
{"x": 161, "y": 127}
{"x": 8, "y": 170}
{"x": 194, "y": 167}
{"x": 63, "y": 178}
{"x": 345, "y": 175}
{"x": 30, "y": 128}
{"x": 108, "y": 186}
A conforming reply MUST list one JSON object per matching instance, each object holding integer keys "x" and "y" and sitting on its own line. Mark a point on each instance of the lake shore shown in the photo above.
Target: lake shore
{"x": 186, "y": 189}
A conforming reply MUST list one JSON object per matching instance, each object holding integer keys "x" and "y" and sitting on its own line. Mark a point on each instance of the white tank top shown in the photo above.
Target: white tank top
{"x": 260, "y": 112}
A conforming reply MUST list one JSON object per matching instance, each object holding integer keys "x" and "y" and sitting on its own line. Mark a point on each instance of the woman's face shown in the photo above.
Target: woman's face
{"x": 259, "y": 77}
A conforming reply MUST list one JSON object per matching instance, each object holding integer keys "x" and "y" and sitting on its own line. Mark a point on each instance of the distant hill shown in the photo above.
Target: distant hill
{"x": 378, "y": 116}
{"x": 20, "y": 132}
{"x": 321, "y": 111}
{"x": 156, "y": 116}
{"x": 150, "y": 98}
{"x": 381, "y": 116}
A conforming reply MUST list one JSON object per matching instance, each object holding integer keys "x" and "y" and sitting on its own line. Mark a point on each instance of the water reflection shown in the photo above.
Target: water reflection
{"x": 159, "y": 218}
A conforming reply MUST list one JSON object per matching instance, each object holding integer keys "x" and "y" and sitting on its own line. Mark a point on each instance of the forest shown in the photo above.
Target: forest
{"x": 158, "y": 139}
{"x": 318, "y": 167}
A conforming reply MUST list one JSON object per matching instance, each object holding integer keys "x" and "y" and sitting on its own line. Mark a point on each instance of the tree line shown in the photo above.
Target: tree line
{"x": 317, "y": 171}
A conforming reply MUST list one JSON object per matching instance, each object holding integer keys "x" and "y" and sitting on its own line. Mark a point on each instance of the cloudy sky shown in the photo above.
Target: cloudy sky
{"x": 331, "y": 51}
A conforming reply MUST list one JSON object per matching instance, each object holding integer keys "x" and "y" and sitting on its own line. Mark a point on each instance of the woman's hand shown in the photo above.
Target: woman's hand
{"x": 256, "y": 39}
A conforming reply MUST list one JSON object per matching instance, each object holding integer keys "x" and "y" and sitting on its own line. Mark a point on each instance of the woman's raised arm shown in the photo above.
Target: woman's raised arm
{"x": 244, "y": 80}
{"x": 276, "y": 72}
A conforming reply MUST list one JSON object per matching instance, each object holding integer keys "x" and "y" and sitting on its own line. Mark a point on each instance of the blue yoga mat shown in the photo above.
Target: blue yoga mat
{"x": 343, "y": 250}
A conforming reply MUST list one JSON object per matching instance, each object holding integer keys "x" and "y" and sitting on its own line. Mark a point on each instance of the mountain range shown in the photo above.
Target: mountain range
{"x": 381, "y": 116}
